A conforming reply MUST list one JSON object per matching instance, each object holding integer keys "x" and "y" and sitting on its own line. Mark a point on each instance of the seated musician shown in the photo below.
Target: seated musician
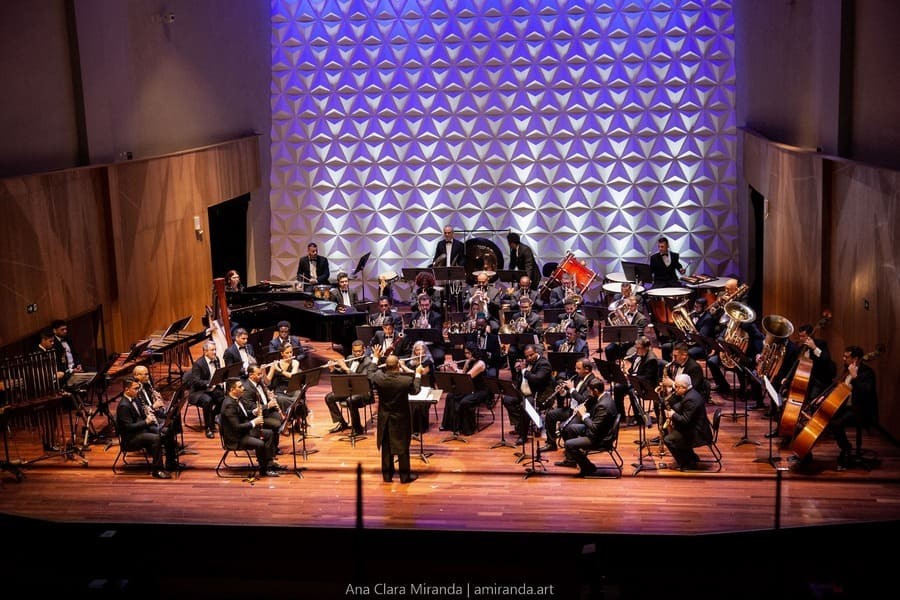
{"x": 627, "y": 315}
{"x": 242, "y": 429}
{"x": 240, "y": 351}
{"x": 642, "y": 363}
{"x": 526, "y": 320}
{"x": 425, "y": 284}
{"x": 755, "y": 339}
{"x": 420, "y": 356}
{"x": 426, "y": 318}
{"x": 859, "y": 411}
{"x": 524, "y": 289}
{"x": 139, "y": 428}
{"x": 705, "y": 323}
{"x": 570, "y": 313}
{"x": 533, "y": 376}
{"x": 591, "y": 427}
{"x": 356, "y": 362}
{"x": 65, "y": 350}
{"x": 209, "y": 399}
{"x": 342, "y": 294}
{"x": 459, "y": 409}
{"x": 572, "y": 342}
{"x": 729, "y": 292}
{"x": 257, "y": 394}
{"x": 154, "y": 404}
{"x": 685, "y": 423}
{"x": 569, "y": 393}
{"x": 566, "y": 289}
{"x": 665, "y": 266}
{"x": 233, "y": 281}
{"x": 386, "y": 313}
{"x": 682, "y": 363}
{"x": 278, "y": 375}
{"x": 313, "y": 269}
{"x": 386, "y": 342}
{"x": 283, "y": 336}
{"x": 487, "y": 295}
{"x": 486, "y": 339}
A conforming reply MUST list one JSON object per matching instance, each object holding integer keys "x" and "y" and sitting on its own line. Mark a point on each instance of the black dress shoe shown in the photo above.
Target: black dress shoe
{"x": 270, "y": 473}
{"x": 520, "y": 441}
{"x": 338, "y": 427}
{"x": 772, "y": 434}
{"x": 586, "y": 472}
{"x": 210, "y": 433}
{"x": 548, "y": 448}
{"x": 412, "y": 477}
{"x": 357, "y": 432}
{"x": 566, "y": 463}
{"x": 160, "y": 474}
{"x": 51, "y": 448}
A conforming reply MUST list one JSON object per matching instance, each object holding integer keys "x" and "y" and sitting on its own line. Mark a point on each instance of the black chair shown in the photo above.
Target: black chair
{"x": 713, "y": 443}
{"x": 233, "y": 449}
{"x": 489, "y": 405}
{"x": 610, "y": 445}
{"x": 123, "y": 456}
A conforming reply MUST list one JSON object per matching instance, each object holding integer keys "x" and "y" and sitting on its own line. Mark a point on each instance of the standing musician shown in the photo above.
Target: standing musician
{"x": 256, "y": 395}
{"x": 357, "y": 362}
{"x": 861, "y": 408}
{"x": 686, "y": 423}
{"x": 641, "y": 364}
{"x": 313, "y": 269}
{"x": 591, "y": 426}
{"x": 449, "y": 252}
{"x": 665, "y": 266}
{"x": 533, "y": 376}
{"x": 386, "y": 342}
{"x": 386, "y": 314}
{"x": 459, "y": 409}
{"x": 565, "y": 289}
{"x": 240, "y": 351}
{"x": 570, "y": 314}
{"x": 139, "y": 428}
{"x": 486, "y": 340}
{"x": 426, "y": 318}
{"x": 627, "y": 315}
{"x": 521, "y": 258}
{"x": 65, "y": 350}
{"x": 152, "y": 403}
{"x": 394, "y": 429}
{"x": 283, "y": 336}
{"x": 49, "y": 429}
{"x": 570, "y": 393}
{"x": 525, "y": 289}
{"x": 208, "y": 398}
{"x": 572, "y": 342}
{"x": 242, "y": 429}
{"x": 823, "y": 369}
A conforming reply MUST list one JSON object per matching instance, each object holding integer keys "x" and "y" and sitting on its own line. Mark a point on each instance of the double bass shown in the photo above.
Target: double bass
{"x": 796, "y": 398}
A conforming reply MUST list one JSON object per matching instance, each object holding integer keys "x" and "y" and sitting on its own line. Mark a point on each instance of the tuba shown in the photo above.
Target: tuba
{"x": 617, "y": 317}
{"x": 778, "y": 330}
{"x": 682, "y": 319}
{"x": 738, "y": 313}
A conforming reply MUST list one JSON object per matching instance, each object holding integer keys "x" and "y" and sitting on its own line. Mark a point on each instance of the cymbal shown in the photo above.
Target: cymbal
{"x": 488, "y": 273}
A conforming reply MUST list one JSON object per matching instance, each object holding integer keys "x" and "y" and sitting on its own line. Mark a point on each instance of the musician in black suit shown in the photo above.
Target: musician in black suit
{"x": 591, "y": 427}
{"x": 208, "y": 398}
{"x": 137, "y": 428}
{"x": 152, "y": 402}
{"x": 47, "y": 344}
{"x": 823, "y": 369}
{"x": 386, "y": 342}
{"x": 526, "y": 290}
{"x": 641, "y": 364}
{"x": 65, "y": 350}
{"x": 313, "y": 269}
{"x": 688, "y": 425}
{"x": 569, "y": 391}
{"x": 570, "y": 313}
{"x": 572, "y": 342}
{"x": 449, "y": 252}
{"x": 356, "y": 362}
{"x": 283, "y": 336}
{"x": 240, "y": 351}
{"x": 631, "y": 315}
{"x": 565, "y": 289}
{"x": 49, "y": 429}
{"x": 242, "y": 429}
{"x": 256, "y": 394}
{"x": 521, "y": 258}
{"x": 394, "y": 421}
{"x": 534, "y": 377}
{"x": 665, "y": 266}
{"x": 755, "y": 339}
{"x": 386, "y": 314}
{"x": 342, "y": 294}
{"x": 705, "y": 323}
{"x": 683, "y": 363}
{"x": 860, "y": 410}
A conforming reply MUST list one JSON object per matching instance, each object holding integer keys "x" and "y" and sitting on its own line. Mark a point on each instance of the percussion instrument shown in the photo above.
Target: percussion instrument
{"x": 582, "y": 276}
{"x": 710, "y": 289}
{"x": 616, "y": 277}
{"x": 488, "y": 273}
{"x": 388, "y": 276}
{"x": 611, "y": 288}
{"x": 322, "y": 292}
{"x": 661, "y": 301}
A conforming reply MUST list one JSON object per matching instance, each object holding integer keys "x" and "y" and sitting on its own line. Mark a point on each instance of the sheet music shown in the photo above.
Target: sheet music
{"x": 771, "y": 391}
{"x": 535, "y": 417}
{"x": 424, "y": 394}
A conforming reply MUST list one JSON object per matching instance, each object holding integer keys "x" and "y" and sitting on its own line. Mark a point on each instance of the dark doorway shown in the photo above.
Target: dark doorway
{"x": 228, "y": 236}
{"x": 756, "y": 248}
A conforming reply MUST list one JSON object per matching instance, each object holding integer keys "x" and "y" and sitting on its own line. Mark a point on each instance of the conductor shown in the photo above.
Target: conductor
{"x": 394, "y": 421}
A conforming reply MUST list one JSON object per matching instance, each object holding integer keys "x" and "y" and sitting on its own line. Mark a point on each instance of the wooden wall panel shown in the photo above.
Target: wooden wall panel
{"x": 163, "y": 269}
{"x": 865, "y": 226}
{"x": 54, "y": 250}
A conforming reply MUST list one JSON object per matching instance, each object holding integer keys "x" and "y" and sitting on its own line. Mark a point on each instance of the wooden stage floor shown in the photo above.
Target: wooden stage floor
{"x": 465, "y": 487}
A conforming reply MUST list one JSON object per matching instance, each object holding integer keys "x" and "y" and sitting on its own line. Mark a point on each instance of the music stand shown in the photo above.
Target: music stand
{"x": 347, "y": 386}
{"x": 410, "y": 274}
{"x": 775, "y": 402}
{"x": 667, "y": 332}
{"x": 299, "y": 383}
{"x": 454, "y": 383}
{"x": 502, "y": 387}
{"x": 636, "y": 271}
{"x": 177, "y": 326}
{"x": 518, "y": 339}
{"x": 136, "y": 351}
{"x": 646, "y": 392}
{"x": 737, "y": 355}
{"x": 365, "y": 333}
{"x": 564, "y": 361}
{"x": 510, "y": 276}
{"x": 432, "y": 337}
{"x": 535, "y": 459}
{"x": 595, "y": 313}
{"x": 551, "y": 315}
{"x": 359, "y": 268}
{"x": 457, "y": 340}
{"x": 551, "y": 337}
{"x": 620, "y": 334}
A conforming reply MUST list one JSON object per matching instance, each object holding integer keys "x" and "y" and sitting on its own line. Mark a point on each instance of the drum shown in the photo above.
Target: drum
{"x": 581, "y": 274}
{"x": 613, "y": 288}
{"x": 710, "y": 290}
{"x": 322, "y": 292}
{"x": 388, "y": 277}
{"x": 661, "y": 301}
{"x": 616, "y": 277}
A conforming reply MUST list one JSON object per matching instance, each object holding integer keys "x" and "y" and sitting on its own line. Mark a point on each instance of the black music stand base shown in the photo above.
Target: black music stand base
{"x": 455, "y": 438}
{"x": 536, "y": 465}
{"x": 502, "y": 443}
{"x": 423, "y": 456}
